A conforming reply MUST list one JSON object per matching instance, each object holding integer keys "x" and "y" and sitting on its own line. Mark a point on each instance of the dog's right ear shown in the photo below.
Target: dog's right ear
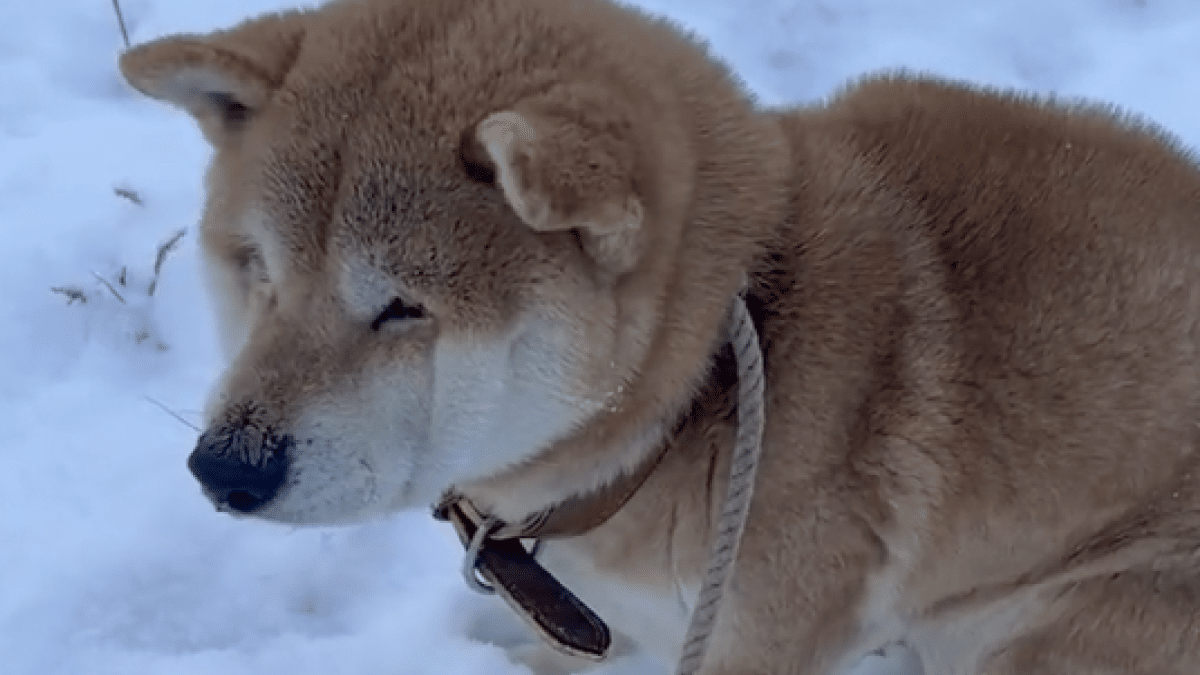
{"x": 221, "y": 78}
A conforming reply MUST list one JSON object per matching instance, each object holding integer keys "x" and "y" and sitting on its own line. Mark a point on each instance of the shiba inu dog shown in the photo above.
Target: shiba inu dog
{"x": 488, "y": 247}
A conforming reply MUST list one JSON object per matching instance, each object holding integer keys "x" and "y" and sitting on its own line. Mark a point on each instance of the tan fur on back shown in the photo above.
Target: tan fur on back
{"x": 978, "y": 313}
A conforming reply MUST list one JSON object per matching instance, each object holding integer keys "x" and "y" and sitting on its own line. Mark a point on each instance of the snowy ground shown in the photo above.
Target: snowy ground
{"x": 111, "y": 561}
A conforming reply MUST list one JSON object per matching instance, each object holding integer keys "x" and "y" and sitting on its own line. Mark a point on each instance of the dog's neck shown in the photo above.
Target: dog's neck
{"x": 507, "y": 567}
{"x": 495, "y": 552}
{"x": 581, "y": 512}
{"x": 586, "y": 468}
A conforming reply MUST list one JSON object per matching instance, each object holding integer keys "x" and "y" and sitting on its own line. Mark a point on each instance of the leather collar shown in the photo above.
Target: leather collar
{"x": 495, "y": 551}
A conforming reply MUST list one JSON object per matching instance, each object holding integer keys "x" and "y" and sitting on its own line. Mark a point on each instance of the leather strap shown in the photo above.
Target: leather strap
{"x": 582, "y": 513}
{"x": 515, "y": 574}
{"x": 547, "y": 606}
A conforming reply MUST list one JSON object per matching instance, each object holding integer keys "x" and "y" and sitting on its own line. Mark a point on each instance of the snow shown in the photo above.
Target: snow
{"x": 112, "y": 561}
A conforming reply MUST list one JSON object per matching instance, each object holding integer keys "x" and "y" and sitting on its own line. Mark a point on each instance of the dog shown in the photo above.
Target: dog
{"x": 488, "y": 248}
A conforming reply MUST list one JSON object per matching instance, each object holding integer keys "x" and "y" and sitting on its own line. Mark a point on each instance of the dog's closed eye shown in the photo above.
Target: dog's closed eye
{"x": 399, "y": 310}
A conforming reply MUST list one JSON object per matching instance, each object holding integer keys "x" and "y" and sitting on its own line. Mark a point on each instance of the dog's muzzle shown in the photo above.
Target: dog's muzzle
{"x": 241, "y": 468}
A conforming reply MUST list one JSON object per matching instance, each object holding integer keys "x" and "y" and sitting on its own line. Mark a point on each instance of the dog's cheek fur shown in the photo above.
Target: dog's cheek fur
{"x": 398, "y": 432}
{"x": 357, "y": 417}
{"x": 360, "y": 451}
{"x": 501, "y": 400}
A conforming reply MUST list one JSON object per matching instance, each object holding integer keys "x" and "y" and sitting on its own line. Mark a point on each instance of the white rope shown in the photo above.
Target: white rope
{"x": 732, "y": 521}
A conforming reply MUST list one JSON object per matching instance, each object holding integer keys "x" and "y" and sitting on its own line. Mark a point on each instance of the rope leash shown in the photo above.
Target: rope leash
{"x": 732, "y": 522}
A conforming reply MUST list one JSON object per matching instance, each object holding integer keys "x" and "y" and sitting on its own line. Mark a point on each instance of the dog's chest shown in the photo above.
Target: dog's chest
{"x": 653, "y": 617}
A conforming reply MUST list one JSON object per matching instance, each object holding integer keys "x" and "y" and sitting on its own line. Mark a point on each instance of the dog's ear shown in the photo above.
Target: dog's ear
{"x": 221, "y": 78}
{"x": 567, "y": 160}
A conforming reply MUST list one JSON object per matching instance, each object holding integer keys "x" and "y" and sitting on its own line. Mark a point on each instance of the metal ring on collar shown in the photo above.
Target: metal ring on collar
{"x": 471, "y": 559}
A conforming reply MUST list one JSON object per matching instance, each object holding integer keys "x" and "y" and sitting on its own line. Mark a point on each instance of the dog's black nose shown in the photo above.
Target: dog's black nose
{"x": 240, "y": 466}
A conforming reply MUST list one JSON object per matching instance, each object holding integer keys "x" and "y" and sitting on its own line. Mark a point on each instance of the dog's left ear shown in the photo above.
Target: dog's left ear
{"x": 567, "y": 160}
{"x": 221, "y": 78}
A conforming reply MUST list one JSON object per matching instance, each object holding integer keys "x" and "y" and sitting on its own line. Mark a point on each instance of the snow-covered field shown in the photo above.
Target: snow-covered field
{"x": 110, "y": 560}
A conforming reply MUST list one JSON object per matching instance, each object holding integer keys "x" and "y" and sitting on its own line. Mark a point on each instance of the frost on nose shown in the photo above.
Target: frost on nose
{"x": 240, "y": 466}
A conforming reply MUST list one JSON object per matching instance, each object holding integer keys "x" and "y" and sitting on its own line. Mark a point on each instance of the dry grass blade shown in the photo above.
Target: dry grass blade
{"x": 112, "y": 289}
{"x": 73, "y": 294}
{"x": 164, "y": 249}
{"x": 121, "y": 21}
{"x": 172, "y": 413}
{"x": 129, "y": 194}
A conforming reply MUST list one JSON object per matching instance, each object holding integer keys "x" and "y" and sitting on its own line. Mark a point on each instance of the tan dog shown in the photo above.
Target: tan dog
{"x": 490, "y": 245}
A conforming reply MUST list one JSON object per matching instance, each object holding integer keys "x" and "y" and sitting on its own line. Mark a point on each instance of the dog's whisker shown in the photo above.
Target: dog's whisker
{"x": 172, "y": 413}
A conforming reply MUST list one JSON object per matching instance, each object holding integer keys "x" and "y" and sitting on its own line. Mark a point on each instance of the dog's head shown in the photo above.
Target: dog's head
{"x": 445, "y": 237}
